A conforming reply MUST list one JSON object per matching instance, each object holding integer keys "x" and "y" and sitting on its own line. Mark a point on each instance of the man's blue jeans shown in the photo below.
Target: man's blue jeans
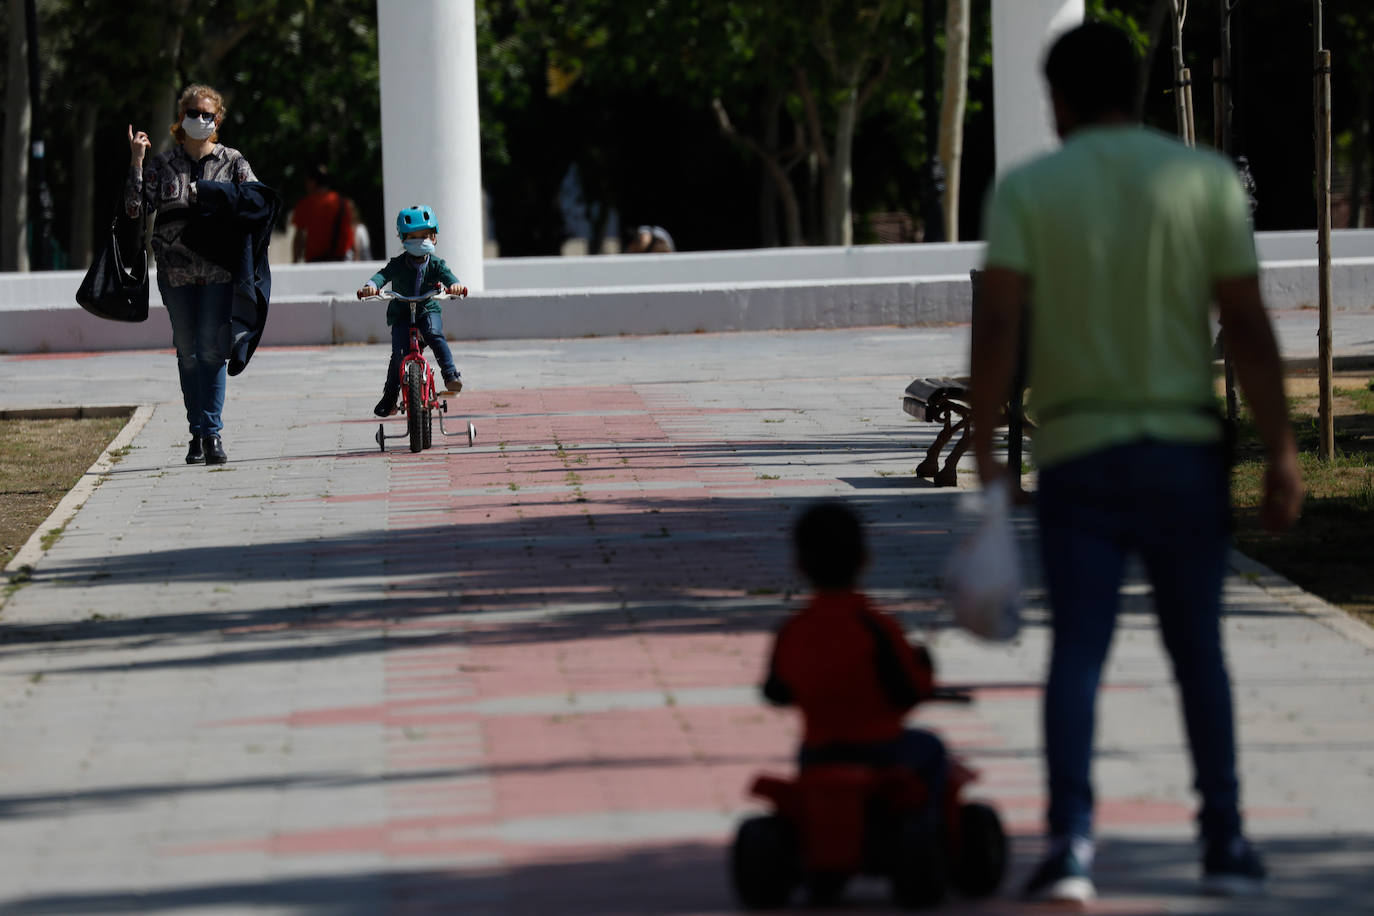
{"x": 431, "y": 326}
{"x": 200, "y": 334}
{"x": 1168, "y": 503}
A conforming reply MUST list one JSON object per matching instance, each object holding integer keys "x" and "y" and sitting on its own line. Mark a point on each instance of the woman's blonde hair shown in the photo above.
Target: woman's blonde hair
{"x": 189, "y": 96}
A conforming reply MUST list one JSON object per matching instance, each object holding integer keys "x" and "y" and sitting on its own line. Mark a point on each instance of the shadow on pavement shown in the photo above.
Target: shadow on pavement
{"x": 89, "y": 800}
{"x": 1134, "y": 877}
{"x": 627, "y": 564}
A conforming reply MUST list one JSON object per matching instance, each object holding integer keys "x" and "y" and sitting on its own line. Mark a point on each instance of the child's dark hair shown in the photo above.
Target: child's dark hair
{"x": 830, "y": 545}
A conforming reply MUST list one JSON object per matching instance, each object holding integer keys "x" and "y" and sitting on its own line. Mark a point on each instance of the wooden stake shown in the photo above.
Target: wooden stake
{"x": 1221, "y": 144}
{"x": 1180, "y": 77}
{"x": 1186, "y": 81}
{"x": 1324, "y": 413}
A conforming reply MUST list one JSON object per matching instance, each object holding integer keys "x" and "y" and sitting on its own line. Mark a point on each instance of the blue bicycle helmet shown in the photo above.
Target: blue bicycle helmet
{"x": 416, "y": 216}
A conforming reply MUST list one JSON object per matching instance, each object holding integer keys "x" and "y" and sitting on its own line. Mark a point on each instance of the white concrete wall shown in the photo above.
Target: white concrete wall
{"x": 645, "y": 294}
{"x": 1022, "y": 31}
{"x": 53, "y": 289}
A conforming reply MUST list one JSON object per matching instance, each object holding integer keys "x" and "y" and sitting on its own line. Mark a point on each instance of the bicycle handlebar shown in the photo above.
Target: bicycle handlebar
{"x": 387, "y": 294}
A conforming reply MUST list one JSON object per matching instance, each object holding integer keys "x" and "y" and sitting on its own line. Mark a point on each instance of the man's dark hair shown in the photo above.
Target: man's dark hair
{"x": 320, "y": 175}
{"x": 1093, "y": 69}
{"x": 830, "y": 545}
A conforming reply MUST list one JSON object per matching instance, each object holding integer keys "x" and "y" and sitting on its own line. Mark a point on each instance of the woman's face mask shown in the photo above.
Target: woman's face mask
{"x": 418, "y": 247}
{"x": 197, "y": 126}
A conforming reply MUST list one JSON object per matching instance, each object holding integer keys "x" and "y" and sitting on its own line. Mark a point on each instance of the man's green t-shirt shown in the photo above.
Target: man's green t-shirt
{"x": 1123, "y": 233}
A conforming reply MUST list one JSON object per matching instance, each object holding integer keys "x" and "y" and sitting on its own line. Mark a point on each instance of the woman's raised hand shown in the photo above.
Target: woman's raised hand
{"x": 138, "y": 145}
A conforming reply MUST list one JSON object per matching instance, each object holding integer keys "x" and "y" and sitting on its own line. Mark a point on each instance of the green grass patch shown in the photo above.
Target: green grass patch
{"x": 1327, "y": 551}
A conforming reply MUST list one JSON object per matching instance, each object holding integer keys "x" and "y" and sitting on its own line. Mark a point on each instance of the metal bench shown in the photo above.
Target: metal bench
{"x": 941, "y": 400}
{"x": 946, "y": 401}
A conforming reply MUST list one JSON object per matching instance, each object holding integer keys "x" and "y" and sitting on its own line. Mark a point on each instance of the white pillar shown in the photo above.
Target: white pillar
{"x": 431, "y": 150}
{"x": 1022, "y": 31}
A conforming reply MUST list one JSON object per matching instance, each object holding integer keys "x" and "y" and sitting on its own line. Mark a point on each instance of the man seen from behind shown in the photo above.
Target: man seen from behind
{"x": 1117, "y": 244}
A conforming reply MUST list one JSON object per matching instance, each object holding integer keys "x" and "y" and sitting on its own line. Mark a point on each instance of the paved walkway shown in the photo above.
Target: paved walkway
{"x": 519, "y": 677}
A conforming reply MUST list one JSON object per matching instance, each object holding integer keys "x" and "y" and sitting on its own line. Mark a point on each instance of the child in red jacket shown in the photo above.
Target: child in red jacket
{"x": 846, "y": 664}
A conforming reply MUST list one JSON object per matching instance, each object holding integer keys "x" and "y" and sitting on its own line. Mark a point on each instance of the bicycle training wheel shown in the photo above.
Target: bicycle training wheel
{"x": 415, "y": 399}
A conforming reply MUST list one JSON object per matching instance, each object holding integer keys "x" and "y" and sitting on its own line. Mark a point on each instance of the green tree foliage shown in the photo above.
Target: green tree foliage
{"x": 299, "y": 80}
{"x": 732, "y": 122}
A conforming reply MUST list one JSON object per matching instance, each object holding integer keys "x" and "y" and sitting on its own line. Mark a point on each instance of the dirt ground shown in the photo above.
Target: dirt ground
{"x": 40, "y": 460}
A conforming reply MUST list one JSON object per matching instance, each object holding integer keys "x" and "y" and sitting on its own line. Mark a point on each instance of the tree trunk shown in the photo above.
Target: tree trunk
{"x": 597, "y": 215}
{"x": 769, "y": 156}
{"x": 83, "y": 189}
{"x": 769, "y": 237}
{"x": 164, "y": 107}
{"x": 1154, "y": 25}
{"x": 817, "y": 160}
{"x": 14, "y": 183}
{"x": 1359, "y": 155}
{"x": 839, "y": 181}
{"x": 955, "y": 96}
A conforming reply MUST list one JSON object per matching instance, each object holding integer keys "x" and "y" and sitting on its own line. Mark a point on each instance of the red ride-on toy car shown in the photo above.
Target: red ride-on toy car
{"x": 836, "y": 821}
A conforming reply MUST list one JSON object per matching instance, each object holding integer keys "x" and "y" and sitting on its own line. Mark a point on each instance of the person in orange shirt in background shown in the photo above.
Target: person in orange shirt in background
{"x": 323, "y": 220}
{"x": 847, "y": 665}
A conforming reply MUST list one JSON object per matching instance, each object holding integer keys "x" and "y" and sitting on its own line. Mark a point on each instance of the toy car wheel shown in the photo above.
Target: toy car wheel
{"x": 765, "y": 862}
{"x": 919, "y": 871}
{"x": 982, "y": 856}
{"x": 825, "y": 888}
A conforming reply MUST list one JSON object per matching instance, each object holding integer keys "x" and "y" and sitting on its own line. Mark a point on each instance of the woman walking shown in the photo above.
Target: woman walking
{"x": 197, "y": 292}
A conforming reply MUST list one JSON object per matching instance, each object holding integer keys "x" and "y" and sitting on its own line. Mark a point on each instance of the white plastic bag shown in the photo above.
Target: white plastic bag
{"x": 983, "y": 580}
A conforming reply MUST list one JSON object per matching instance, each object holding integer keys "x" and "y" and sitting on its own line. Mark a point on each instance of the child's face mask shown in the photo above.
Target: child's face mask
{"x": 418, "y": 247}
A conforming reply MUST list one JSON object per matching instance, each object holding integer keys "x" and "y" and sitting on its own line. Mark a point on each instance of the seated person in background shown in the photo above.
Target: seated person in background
{"x": 846, "y": 664}
{"x": 651, "y": 239}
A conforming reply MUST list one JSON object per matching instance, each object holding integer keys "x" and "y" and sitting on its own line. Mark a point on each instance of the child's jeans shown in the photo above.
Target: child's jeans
{"x": 431, "y": 326}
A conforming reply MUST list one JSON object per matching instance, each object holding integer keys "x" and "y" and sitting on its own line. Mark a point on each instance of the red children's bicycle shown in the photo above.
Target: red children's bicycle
{"x": 420, "y": 401}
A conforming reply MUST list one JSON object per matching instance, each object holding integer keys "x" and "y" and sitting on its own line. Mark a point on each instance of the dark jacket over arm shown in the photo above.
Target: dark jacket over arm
{"x": 232, "y": 226}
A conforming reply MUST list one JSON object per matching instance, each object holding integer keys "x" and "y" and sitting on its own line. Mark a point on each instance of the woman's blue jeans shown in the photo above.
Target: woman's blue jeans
{"x": 200, "y": 333}
{"x": 1169, "y": 504}
{"x": 431, "y": 326}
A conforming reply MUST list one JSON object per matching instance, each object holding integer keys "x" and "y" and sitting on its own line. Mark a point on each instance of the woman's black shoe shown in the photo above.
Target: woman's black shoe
{"x": 194, "y": 453}
{"x": 214, "y": 450}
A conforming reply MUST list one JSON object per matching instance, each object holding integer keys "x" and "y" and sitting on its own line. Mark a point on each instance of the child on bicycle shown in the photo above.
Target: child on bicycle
{"x": 847, "y": 664}
{"x": 416, "y": 271}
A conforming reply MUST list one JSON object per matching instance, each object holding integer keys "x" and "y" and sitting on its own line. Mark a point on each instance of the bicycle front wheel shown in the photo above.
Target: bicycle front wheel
{"x": 415, "y": 400}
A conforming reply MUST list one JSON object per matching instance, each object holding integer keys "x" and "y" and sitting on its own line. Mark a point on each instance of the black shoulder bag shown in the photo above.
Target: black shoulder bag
{"x": 116, "y": 283}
